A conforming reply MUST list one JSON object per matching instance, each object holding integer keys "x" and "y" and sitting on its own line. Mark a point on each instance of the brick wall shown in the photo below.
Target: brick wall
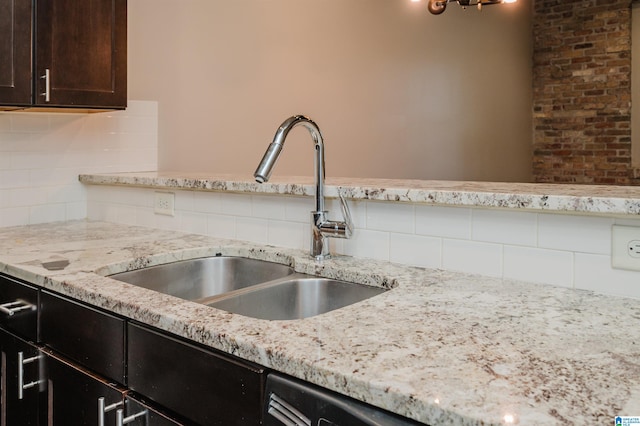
{"x": 582, "y": 92}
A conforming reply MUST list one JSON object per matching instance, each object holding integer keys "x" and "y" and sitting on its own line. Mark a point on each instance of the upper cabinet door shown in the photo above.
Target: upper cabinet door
{"x": 81, "y": 53}
{"x": 15, "y": 52}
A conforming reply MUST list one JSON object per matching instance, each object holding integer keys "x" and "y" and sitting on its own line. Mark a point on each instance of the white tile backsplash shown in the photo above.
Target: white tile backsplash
{"x": 297, "y": 209}
{"x": 472, "y": 256}
{"x": 559, "y": 249}
{"x": 76, "y": 211}
{"x": 285, "y": 234}
{"x": 236, "y": 204}
{"x": 47, "y": 213}
{"x": 194, "y": 223}
{"x": 268, "y": 207}
{"x": 399, "y": 218}
{"x": 505, "y": 227}
{"x": 446, "y": 222}
{"x": 583, "y": 234}
{"x": 415, "y": 250}
{"x": 184, "y": 200}
{"x": 4, "y": 198}
{"x": 594, "y": 272}
{"x": 42, "y": 155}
{"x": 368, "y": 243}
{"x": 14, "y": 179}
{"x": 252, "y": 229}
{"x": 539, "y": 265}
{"x": 221, "y": 226}
{"x": 207, "y": 202}
{"x": 14, "y": 216}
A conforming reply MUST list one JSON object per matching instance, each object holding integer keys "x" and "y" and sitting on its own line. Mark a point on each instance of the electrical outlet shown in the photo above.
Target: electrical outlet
{"x": 625, "y": 247}
{"x": 165, "y": 203}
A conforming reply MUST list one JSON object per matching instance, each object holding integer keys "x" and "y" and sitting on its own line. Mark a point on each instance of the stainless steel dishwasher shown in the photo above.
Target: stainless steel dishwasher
{"x": 291, "y": 402}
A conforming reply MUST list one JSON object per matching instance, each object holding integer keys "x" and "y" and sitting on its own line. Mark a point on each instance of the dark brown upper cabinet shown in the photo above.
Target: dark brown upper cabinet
{"x": 75, "y": 54}
{"x": 15, "y": 52}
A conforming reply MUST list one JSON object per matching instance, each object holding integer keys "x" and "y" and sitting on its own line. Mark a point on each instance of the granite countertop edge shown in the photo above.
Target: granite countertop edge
{"x": 581, "y": 199}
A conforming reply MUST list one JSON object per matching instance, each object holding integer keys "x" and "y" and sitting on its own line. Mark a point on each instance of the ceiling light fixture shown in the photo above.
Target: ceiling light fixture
{"x": 438, "y": 6}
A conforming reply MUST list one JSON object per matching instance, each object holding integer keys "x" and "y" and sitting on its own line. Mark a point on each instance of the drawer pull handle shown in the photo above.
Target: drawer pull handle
{"x": 121, "y": 420}
{"x": 104, "y": 408}
{"x": 22, "y": 386}
{"x": 47, "y": 85}
{"x": 13, "y": 308}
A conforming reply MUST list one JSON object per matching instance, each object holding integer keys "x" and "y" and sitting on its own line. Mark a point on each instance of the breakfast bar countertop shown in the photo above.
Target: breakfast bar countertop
{"x": 580, "y": 199}
{"x": 440, "y": 347}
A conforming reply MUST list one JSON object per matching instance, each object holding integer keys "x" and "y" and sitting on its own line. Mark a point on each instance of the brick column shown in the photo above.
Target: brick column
{"x": 582, "y": 92}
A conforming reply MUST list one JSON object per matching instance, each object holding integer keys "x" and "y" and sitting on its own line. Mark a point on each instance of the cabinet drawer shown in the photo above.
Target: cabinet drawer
{"x": 92, "y": 338}
{"x": 19, "y": 308}
{"x": 73, "y": 395}
{"x": 206, "y": 387}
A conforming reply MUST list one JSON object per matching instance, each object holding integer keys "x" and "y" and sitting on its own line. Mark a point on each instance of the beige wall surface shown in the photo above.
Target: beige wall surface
{"x": 396, "y": 91}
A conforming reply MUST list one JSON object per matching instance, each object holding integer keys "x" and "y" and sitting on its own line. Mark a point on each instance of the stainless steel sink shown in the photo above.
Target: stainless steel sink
{"x": 202, "y": 278}
{"x": 295, "y": 298}
{"x": 249, "y": 287}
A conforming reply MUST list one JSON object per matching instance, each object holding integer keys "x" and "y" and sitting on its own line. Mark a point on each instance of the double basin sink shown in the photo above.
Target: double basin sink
{"x": 249, "y": 287}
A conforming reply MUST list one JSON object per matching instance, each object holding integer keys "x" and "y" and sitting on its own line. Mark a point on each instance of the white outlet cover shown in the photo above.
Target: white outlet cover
{"x": 165, "y": 203}
{"x": 625, "y": 242}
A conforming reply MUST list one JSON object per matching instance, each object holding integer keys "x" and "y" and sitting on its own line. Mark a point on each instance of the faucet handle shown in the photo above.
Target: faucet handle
{"x": 334, "y": 228}
{"x": 346, "y": 215}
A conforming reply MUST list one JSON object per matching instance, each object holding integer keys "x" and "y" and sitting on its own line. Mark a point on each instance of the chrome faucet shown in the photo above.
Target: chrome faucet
{"x": 321, "y": 227}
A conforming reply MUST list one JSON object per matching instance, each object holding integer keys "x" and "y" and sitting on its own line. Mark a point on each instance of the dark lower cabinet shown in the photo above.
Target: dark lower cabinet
{"x": 90, "y": 367}
{"x": 78, "y": 397}
{"x": 73, "y": 395}
{"x": 39, "y": 388}
{"x": 71, "y": 372}
{"x": 22, "y": 384}
{"x": 90, "y": 337}
{"x": 23, "y": 387}
{"x": 206, "y": 387}
{"x": 22, "y": 381}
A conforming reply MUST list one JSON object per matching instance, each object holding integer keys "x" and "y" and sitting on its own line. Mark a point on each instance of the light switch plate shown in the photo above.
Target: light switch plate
{"x": 164, "y": 203}
{"x": 625, "y": 247}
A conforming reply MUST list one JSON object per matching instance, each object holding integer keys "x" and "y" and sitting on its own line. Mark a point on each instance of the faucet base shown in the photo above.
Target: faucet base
{"x": 319, "y": 242}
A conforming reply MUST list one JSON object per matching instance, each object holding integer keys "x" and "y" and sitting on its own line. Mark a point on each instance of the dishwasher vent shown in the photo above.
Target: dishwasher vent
{"x": 287, "y": 414}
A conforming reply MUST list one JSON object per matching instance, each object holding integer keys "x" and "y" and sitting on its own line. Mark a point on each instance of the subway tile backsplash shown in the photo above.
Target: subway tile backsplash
{"x": 559, "y": 249}
{"x": 42, "y": 154}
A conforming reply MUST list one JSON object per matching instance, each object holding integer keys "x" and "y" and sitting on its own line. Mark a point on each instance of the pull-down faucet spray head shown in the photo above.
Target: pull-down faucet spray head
{"x": 263, "y": 172}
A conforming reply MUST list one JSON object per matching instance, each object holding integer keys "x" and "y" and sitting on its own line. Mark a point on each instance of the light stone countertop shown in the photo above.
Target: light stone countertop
{"x": 582, "y": 199}
{"x": 440, "y": 347}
